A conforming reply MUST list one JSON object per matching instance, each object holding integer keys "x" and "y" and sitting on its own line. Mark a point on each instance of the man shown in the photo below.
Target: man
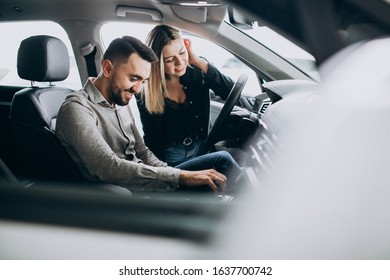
{"x": 99, "y": 132}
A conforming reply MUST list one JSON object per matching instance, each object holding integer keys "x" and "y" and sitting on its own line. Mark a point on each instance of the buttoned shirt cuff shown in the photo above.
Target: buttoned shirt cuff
{"x": 171, "y": 177}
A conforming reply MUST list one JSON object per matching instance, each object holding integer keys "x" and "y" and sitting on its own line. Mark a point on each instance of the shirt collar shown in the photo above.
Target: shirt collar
{"x": 93, "y": 93}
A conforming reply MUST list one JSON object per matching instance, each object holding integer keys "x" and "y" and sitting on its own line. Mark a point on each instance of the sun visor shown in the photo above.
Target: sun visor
{"x": 194, "y": 14}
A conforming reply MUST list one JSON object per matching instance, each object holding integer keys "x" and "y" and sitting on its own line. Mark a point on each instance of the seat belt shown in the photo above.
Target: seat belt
{"x": 89, "y": 52}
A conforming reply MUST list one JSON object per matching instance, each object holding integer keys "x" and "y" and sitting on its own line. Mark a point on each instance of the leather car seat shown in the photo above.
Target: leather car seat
{"x": 34, "y": 110}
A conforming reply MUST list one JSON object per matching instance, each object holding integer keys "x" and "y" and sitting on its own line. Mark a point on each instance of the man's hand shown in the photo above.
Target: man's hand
{"x": 211, "y": 177}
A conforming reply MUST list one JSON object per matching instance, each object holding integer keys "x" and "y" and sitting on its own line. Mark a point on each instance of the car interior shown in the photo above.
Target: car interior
{"x": 299, "y": 127}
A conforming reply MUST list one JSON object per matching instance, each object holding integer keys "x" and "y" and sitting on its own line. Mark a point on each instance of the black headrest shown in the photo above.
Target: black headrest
{"x": 43, "y": 59}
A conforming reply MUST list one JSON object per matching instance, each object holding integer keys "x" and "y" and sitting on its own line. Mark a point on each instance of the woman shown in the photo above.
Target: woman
{"x": 175, "y": 105}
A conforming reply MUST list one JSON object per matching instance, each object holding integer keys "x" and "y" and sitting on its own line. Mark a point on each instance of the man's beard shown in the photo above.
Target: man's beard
{"x": 116, "y": 93}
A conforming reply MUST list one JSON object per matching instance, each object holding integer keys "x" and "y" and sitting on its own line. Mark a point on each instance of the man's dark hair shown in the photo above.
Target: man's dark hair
{"x": 120, "y": 50}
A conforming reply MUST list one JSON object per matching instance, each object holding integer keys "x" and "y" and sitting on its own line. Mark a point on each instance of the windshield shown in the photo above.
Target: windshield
{"x": 280, "y": 45}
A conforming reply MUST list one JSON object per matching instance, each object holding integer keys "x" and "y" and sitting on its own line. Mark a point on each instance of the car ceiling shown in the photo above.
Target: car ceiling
{"x": 99, "y": 10}
{"x": 64, "y": 10}
{"x": 293, "y": 18}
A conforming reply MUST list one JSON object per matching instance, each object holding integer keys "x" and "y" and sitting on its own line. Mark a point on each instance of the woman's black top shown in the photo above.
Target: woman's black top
{"x": 189, "y": 119}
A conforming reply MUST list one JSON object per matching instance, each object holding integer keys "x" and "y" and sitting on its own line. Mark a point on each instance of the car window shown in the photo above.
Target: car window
{"x": 280, "y": 45}
{"x": 221, "y": 58}
{"x": 18, "y": 31}
{"x": 226, "y": 63}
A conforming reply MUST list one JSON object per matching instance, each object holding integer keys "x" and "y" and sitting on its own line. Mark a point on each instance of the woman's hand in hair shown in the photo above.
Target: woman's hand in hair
{"x": 194, "y": 59}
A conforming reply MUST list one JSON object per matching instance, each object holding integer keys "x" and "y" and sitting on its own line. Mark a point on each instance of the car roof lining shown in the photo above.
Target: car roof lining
{"x": 287, "y": 17}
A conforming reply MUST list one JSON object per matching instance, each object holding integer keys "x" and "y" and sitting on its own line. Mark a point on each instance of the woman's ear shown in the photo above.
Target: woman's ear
{"x": 187, "y": 43}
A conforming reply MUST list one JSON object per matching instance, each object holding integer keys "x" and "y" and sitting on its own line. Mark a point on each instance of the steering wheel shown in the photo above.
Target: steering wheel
{"x": 227, "y": 108}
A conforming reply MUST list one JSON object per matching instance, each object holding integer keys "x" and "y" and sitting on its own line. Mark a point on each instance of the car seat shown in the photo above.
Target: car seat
{"x": 34, "y": 110}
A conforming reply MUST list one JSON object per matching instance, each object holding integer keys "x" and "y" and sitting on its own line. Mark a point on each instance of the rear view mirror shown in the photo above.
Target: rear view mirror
{"x": 239, "y": 19}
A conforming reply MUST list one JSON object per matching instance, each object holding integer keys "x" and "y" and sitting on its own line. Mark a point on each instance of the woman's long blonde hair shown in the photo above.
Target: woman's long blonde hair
{"x": 156, "y": 88}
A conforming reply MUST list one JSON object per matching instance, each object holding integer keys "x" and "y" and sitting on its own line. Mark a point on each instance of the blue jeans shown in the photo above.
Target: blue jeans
{"x": 179, "y": 153}
{"x": 221, "y": 161}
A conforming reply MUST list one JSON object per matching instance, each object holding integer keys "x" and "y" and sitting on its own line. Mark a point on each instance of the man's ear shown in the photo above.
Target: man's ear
{"x": 107, "y": 68}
